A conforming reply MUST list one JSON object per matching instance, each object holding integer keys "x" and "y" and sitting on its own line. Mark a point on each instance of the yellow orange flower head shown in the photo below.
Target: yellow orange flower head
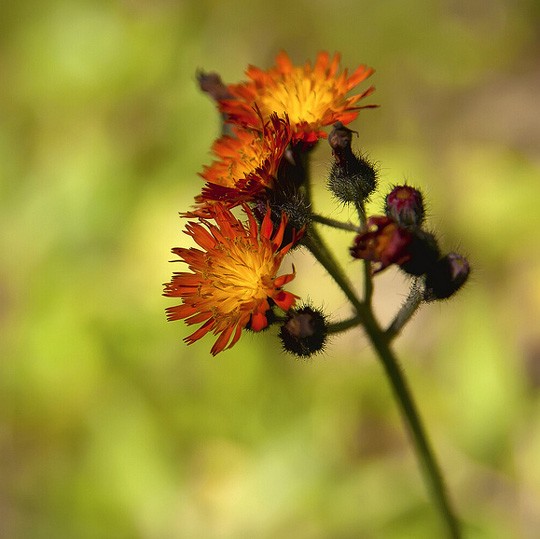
{"x": 312, "y": 96}
{"x": 233, "y": 280}
{"x": 247, "y": 163}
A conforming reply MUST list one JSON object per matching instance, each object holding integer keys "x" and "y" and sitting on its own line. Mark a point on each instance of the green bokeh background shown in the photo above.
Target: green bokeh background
{"x": 110, "y": 427}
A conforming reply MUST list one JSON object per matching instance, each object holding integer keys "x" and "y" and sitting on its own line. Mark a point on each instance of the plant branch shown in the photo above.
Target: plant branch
{"x": 343, "y": 325}
{"x": 314, "y": 242}
{"x": 406, "y": 312}
{"x": 429, "y": 466}
{"x": 381, "y": 342}
{"x": 368, "y": 278}
{"x": 351, "y": 227}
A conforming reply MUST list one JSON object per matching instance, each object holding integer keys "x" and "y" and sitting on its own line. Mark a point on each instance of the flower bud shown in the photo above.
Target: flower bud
{"x": 423, "y": 251}
{"x": 294, "y": 204}
{"x": 404, "y": 205}
{"x": 304, "y": 332}
{"x": 446, "y": 277}
{"x": 352, "y": 178}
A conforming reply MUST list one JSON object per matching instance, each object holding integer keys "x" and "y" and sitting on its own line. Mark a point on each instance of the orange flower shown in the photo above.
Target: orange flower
{"x": 312, "y": 97}
{"x": 234, "y": 278}
{"x": 247, "y": 164}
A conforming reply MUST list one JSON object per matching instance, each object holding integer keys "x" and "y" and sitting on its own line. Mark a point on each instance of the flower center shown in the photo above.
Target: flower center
{"x": 241, "y": 277}
{"x": 302, "y": 98}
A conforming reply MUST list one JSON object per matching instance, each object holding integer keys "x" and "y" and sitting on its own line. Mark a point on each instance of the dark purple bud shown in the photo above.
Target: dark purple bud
{"x": 446, "y": 277}
{"x": 304, "y": 332}
{"x": 423, "y": 250}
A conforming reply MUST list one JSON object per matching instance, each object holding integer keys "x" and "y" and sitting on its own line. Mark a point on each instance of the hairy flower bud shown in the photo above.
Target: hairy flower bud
{"x": 304, "y": 332}
{"x": 446, "y": 277}
{"x": 424, "y": 252}
{"x": 294, "y": 204}
{"x": 352, "y": 178}
{"x": 404, "y": 205}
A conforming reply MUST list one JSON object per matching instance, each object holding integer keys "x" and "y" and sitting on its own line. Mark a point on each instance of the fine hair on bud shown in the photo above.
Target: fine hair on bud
{"x": 353, "y": 180}
{"x": 405, "y": 205}
{"x": 352, "y": 177}
{"x": 424, "y": 252}
{"x": 294, "y": 204}
{"x": 446, "y": 277}
{"x": 304, "y": 332}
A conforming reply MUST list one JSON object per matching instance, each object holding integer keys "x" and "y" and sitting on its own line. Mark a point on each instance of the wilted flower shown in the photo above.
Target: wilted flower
{"x": 383, "y": 243}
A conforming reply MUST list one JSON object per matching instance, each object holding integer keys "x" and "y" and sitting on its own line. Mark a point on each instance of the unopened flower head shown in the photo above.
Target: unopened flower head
{"x": 447, "y": 276}
{"x": 233, "y": 281}
{"x": 311, "y": 96}
{"x": 405, "y": 205}
{"x": 304, "y": 332}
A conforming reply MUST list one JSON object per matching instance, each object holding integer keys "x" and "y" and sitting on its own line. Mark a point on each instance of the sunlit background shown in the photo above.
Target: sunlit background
{"x": 111, "y": 427}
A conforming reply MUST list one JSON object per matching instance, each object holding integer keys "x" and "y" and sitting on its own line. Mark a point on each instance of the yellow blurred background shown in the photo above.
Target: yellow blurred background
{"x": 110, "y": 427}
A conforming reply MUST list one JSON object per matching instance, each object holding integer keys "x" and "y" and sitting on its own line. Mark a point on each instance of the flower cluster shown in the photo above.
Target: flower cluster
{"x": 398, "y": 238}
{"x": 255, "y": 206}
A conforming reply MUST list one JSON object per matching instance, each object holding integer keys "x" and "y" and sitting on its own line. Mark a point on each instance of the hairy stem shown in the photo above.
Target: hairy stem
{"x": 424, "y": 452}
{"x": 409, "y": 307}
{"x": 324, "y": 256}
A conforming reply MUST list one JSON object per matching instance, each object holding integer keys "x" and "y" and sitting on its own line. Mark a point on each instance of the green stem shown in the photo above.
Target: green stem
{"x": 303, "y": 161}
{"x": 351, "y": 227}
{"x": 380, "y": 342}
{"x": 430, "y": 468}
{"x": 409, "y": 307}
{"x": 361, "y": 211}
{"x": 343, "y": 325}
{"x": 318, "y": 248}
{"x": 368, "y": 278}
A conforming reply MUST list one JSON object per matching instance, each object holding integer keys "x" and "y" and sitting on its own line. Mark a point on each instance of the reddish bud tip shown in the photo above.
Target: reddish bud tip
{"x": 405, "y": 205}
